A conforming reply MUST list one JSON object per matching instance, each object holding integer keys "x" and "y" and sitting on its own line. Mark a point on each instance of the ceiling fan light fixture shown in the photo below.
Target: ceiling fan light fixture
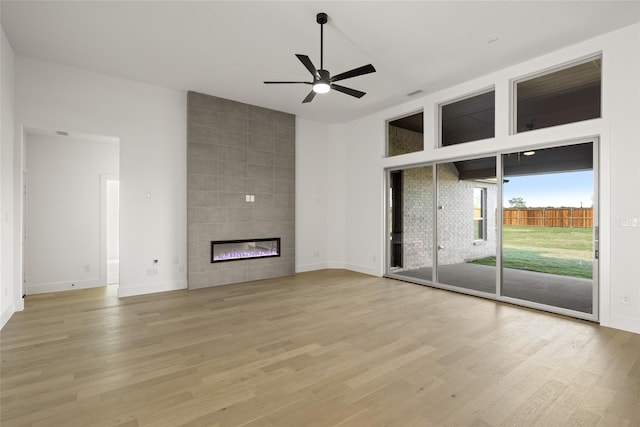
{"x": 323, "y": 83}
{"x": 321, "y": 87}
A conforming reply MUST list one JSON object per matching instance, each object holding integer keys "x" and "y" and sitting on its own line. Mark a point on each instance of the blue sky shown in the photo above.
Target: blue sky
{"x": 569, "y": 189}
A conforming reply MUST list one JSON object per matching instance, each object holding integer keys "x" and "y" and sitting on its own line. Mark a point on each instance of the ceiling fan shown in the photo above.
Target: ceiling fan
{"x": 322, "y": 80}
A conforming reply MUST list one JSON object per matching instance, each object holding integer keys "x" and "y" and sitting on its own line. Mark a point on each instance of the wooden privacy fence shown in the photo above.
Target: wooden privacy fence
{"x": 549, "y": 217}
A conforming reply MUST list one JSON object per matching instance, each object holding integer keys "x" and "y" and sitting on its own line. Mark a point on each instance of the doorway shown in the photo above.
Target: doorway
{"x": 65, "y": 226}
{"x": 110, "y": 220}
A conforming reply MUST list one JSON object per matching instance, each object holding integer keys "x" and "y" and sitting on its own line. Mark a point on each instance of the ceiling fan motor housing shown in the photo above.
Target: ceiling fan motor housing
{"x": 325, "y": 77}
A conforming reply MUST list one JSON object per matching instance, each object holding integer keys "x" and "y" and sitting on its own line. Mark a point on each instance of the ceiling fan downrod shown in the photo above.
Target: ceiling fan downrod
{"x": 321, "y": 18}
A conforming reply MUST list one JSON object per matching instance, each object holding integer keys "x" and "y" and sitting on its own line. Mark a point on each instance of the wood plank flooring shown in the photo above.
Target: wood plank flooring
{"x": 325, "y": 348}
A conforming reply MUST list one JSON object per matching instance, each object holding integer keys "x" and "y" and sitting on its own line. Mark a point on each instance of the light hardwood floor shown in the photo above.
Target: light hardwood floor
{"x": 326, "y": 348}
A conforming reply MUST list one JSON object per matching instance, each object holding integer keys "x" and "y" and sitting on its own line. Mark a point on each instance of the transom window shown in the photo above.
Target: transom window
{"x": 566, "y": 95}
{"x": 405, "y": 135}
{"x": 469, "y": 119}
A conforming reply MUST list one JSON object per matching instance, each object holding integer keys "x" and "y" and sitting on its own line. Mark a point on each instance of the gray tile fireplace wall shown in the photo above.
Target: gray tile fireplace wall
{"x": 237, "y": 150}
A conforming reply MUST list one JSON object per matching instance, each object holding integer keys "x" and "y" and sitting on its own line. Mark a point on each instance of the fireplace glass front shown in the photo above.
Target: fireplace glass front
{"x": 234, "y": 250}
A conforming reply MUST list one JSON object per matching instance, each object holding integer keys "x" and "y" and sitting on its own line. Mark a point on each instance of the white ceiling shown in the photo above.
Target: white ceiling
{"x": 229, "y": 48}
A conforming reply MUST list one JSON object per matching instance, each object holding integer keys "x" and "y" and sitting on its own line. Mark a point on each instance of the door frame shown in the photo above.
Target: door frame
{"x": 104, "y": 267}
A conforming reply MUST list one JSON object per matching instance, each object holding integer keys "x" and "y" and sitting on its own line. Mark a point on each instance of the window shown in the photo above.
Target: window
{"x": 405, "y": 135}
{"x": 479, "y": 213}
{"x": 567, "y": 95}
{"x": 469, "y": 119}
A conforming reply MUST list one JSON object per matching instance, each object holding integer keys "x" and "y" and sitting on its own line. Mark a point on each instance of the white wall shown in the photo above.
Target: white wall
{"x": 64, "y": 244}
{"x": 618, "y": 129}
{"x": 364, "y": 197}
{"x": 312, "y": 150}
{"x": 150, "y": 123}
{"x": 336, "y": 179}
{"x": 321, "y": 219}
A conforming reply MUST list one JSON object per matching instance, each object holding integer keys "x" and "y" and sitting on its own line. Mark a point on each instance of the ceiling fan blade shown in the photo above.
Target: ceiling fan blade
{"x": 348, "y": 91}
{"x": 365, "y": 69}
{"x": 309, "y": 65}
{"x": 286, "y": 83}
{"x": 309, "y": 97}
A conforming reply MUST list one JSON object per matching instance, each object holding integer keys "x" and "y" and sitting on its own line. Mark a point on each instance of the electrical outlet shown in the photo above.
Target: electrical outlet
{"x": 630, "y": 222}
{"x": 626, "y": 299}
{"x": 87, "y": 268}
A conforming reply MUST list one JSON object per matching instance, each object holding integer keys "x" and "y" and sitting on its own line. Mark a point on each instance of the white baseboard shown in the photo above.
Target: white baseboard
{"x": 623, "y": 323}
{"x": 311, "y": 267}
{"x": 6, "y": 314}
{"x": 41, "y": 288}
{"x": 364, "y": 270}
{"x": 129, "y": 291}
{"x": 337, "y": 266}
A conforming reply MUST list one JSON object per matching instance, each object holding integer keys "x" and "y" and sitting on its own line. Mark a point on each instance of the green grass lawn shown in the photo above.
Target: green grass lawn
{"x": 555, "y": 250}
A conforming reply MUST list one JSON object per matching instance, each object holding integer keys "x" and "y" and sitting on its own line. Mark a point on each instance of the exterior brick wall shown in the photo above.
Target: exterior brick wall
{"x": 403, "y": 141}
{"x": 455, "y": 218}
{"x": 417, "y": 217}
{"x": 455, "y": 224}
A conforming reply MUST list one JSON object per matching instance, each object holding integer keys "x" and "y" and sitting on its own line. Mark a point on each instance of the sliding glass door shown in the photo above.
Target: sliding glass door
{"x": 527, "y": 235}
{"x": 549, "y": 200}
{"x": 466, "y": 220}
{"x": 410, "y": 222}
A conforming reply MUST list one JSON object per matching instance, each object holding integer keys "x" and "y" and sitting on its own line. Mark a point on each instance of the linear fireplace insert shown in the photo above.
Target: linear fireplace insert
{"x": 235, "y": 250}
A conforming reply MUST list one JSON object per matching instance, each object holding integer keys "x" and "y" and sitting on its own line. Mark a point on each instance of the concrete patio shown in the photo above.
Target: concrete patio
{"x": 558, "y": 291}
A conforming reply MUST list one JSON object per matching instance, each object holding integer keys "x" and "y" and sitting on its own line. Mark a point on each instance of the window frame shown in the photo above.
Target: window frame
{"x": 483, "y": 214}
{"x": 468, "y": 95}
{"x": 513, "y": 87}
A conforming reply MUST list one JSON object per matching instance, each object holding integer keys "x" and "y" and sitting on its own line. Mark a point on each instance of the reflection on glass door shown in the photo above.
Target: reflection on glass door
{"x": 549, "y": 200}
{"x": 467, "y": 194}
{"x": 410, "y": 223}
